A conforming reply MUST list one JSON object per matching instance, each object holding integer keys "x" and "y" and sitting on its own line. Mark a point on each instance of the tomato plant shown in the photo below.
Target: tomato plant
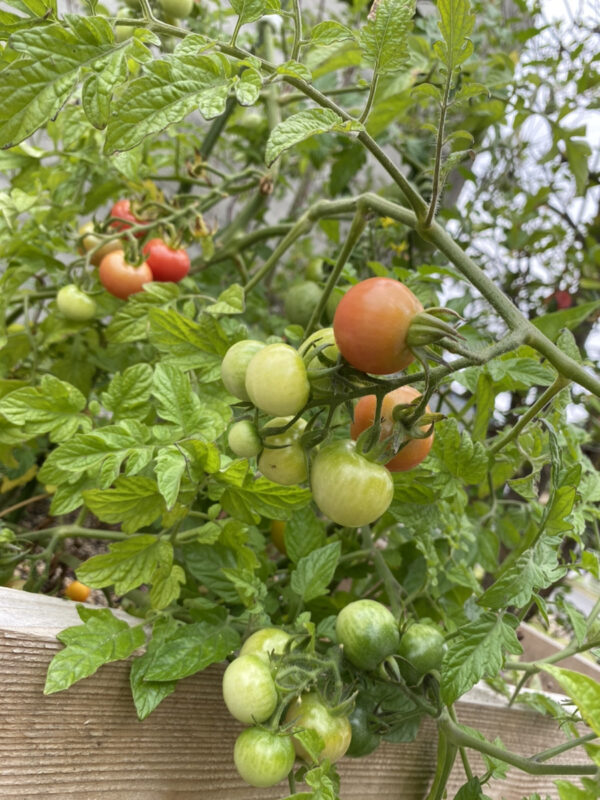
{"x": 276, "y": 380}
{"x": 283, "y": 459}
{"x": 263, "y": 758}
{"x": 422, "y": 646}
{"x": 309, "y": 712}
{"x": 122, "y": 210}
{"x": 413, "y": 451}
{"x": 347, "y": 488}
{"x": 266, "y": 641}
{"x": 368, "y": 633}
{"x": 75, "y": 304}
{"x": 371, "y": 324}
{"x": 248, "y": 689}
{"x": 90, "y": 241}
{"x": 166, "y": 263}
{"x": 120, "y": 278}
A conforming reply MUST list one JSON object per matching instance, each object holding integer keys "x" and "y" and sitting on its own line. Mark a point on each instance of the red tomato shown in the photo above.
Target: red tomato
{"x": 371, "y": 323}
{"x": 120, "y": 278}
{"x": 364, "y": 415}
{"x": 166, "y": 264}
{"x": 122, "y": 209}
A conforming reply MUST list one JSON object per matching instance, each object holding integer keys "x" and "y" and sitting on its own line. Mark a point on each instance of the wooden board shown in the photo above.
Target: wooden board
{"x": 87, "y": 742}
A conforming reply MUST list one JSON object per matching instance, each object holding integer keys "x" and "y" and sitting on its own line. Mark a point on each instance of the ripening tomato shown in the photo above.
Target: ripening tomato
{"x": 276, "y": 380}
{"x": 122, "y": 209}
{"x": 371, "y": 324}
{"x": 120, "y": 278}
{"x": 309, "y": 712}
{"x": 422, "y": 646}
{"x": 263, "y": 758}
{"x": 283, "y": 459}
{"x": 368, "y": 632}
{"x": 91, "y": 240}
{"x": 75, "y": 304}
{"x": 244, "y": 440}
{"x": 348, "y": 488}
{"x": 249, "y": 690}
{"x": 412, "y": 453}
{"x": 318, "y": 358}
{"x": 234, "y": 366}
{"x": 166, "y": 263}
{"x": 77, "y": 591}
{"x": 264, "y": 642}
{"x": 277, "y": 530}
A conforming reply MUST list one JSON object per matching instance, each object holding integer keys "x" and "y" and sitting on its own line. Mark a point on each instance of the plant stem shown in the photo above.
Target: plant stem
{"x": 532, "y": 667}
{"x": 435, "y": 191}
{"x": 64, "y": 531}
{"x": 297, "y": 29}
{"x": 463, "y": 753}
{"x": 216, "y": 129}
{"x": 370, "y": 98}
{"x": 392, "y": 587}
{"x": 357, "y": 227}
{"x": 446, "y": 754}
{"x": 542, "y": 401}
{"x": 562, "y": 748}
{"x": 528, "y": 765}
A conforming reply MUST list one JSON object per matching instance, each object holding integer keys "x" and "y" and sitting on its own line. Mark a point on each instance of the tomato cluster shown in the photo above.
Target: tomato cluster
{"x": 265, "y": 755}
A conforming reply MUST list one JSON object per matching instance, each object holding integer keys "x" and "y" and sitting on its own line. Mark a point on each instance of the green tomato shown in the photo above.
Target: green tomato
{"x": 248, "y": 689}
{"x": 243, "y": 439}
{"x": 177, "y": 8}
{"x": 422, "y": 646}
{"x": 309, "y": 712}
{"x": 264, "y": 642}
{"x": 300, "y": 301}
{"x": 283, "y": 459}
{"x": 263, "y": 758}
{"x": 316, "y": 360}
{"x": 364, "y": 739}
{"x": 75, "y": 304}
{"x": 234, "y": 366}
{"x": 368, "y": 632}
{"x": 315, "y": 271}
{"x": 348, "y": 488}
{"x": 123, "y": 32}
{"x": 276, "y": 380}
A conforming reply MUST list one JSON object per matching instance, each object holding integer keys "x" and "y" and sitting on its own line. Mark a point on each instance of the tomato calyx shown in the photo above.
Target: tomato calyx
{"x": 428, "y": 327}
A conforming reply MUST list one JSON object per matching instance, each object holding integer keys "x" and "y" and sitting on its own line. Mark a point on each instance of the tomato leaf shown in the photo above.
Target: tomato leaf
{"x": 188, "y": 344}
{"x": 191, "y": 649}
{"x": 147, "y": 695}
{"x": 251, "y": 10}
{"x": 134, "y": 502}
{"x": 128, "y": 564}
{"x": 570, "y": 318}
{"x": 314, "y": 572}
{"x": 247, "y": 89}
{"x": 478, "y": 651}
{"x": 304, "y": 533}
{"x": 330, "y": 32}
{"x": 261, "y": 498}
{"x": 583, "y": 691}
{"x": 101, "y": 639}
{"x": 302, "y": 126}
{"x": 384, "y": 39}
{"x": 456, "y": 23}
{"x": 128, "y": 392}
{"x": 462, "y": 457}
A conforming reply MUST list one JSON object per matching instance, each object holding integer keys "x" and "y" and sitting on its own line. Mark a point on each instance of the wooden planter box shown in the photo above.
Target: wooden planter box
{"x": 88, "y": 743}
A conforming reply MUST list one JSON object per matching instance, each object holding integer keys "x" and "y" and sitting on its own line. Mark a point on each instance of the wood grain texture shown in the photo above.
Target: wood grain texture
{"x": 87, "y": 742}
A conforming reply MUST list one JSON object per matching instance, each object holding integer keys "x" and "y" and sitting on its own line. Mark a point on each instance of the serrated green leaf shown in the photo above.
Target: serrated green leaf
{"x": 191, "y": 649}
{"x": 230, "y": 301}
{"x": 384, "y": 39}
{"x": 568, "y": 791}
{"x": 102, "y": 639}
{"x": 134, "y": 502}
{"x": 299, "y": 127}
{"x": 166, "y": 585}
{"x": 304, "y": 532}
{"x": 456, "y": 23}
{"x": 247, "y": 89}
{"x": 251, "y": 10}
{"x": 147, "y": 695}
{"x": 570, "y": 318}
{"x": 98, "y": 88}
{"x": 583, "y": 691}
{"x": 169, "y": 90}
{"x": 130, "y": 323}
{"x": 169, "y": 469}
{"x": 296, "y": 69}
{"x": 462, "y": 457}
{"x": 330, "y": 32}
{"x": 477, "y": 652}
{"x": 427, "y": 90}
{"x": 129, "y": 391}
{"x": 263, "y": 498}
{"x": 315, "y": 571}
{"x": 188, "y": 344}
{"x": 128, "y": 564}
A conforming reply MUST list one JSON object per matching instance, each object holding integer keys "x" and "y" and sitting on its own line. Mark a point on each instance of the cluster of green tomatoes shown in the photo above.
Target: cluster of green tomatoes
{"x": 292, "y": 719}
{"x": 371, "y": 333}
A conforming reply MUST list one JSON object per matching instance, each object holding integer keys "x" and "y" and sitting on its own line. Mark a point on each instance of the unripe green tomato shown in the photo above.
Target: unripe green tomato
{"x": 244, "y": 440}
{"x": 75, "y": 304}
{"x": 234, "y": 366}
{"x": 368, "y": 632}
{"x": 177, "y": 8}
{"x": 263, "y": 758}
{"x": 283, "y": 459}
{"x": 364, "y": 740}
{"x": 264, "y": 642}
{"x": 123, "y": 32}
{"x": 309, "y": 712}
{"x": 314, "y": 270}
{"x": 323, "y": 360}
{"x": 348, "y": 488}
{"x": 248, "y": 689}
{"x": 300, "y": 301}
{"x": 423, "y": 648}
{"x": 276, "y": 380}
